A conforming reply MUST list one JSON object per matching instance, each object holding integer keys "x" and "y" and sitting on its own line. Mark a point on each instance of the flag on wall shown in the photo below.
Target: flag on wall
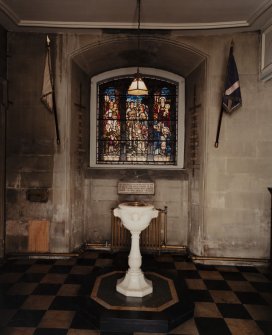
{"x": 47, "y": 89}
{"x": 48, "y": 92}
{"x": 232, "y": 99}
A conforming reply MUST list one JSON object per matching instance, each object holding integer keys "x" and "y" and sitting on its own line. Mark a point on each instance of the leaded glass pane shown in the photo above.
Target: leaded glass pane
{"x": 137, "y": 129}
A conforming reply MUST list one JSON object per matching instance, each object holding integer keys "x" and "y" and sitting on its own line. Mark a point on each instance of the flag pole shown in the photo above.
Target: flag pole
{"x": 56, "y": 120}
{"x": 53, "y": 91}
{"x": 218, "y": 128}
{"x": 222, "y": 104}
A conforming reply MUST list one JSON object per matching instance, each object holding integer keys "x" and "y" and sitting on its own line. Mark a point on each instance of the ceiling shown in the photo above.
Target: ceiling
{"x": 63, "y": 15}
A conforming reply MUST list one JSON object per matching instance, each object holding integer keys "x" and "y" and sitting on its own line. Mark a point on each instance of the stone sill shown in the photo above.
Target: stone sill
{"x": 139, "y": 174}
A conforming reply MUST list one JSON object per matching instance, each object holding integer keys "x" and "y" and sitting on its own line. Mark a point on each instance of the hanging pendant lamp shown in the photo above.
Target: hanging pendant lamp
{"x": 138, "y": 87}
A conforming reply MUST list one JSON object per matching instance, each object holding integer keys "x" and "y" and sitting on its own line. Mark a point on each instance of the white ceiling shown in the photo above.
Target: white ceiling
{"x": 186, "y": 15}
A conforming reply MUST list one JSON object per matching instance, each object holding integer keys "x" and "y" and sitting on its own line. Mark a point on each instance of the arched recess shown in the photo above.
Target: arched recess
{"x": 111, "y": 52}
{"x": 122, "y": 51}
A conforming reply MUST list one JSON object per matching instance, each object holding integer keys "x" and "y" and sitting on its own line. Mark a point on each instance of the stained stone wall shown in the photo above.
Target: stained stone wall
{"x": 3, "y": 107}
{"x": 221, "y": 208}
{"x": 195, "y": 153}
{"x": 80, "y": 101}
{"x": 102, "y": 195}
{"x": 30, "y": 140}
{"x": 238, "y": 172}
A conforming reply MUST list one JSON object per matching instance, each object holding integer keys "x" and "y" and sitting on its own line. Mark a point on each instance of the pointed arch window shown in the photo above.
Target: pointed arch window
{"x": 147, "y": 131}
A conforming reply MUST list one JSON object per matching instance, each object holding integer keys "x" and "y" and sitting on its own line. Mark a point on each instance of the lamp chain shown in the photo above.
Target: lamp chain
{"x": 138, "y": 37}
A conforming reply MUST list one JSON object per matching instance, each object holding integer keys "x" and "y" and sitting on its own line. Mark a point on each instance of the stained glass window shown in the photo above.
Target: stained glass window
{"x": 137, "y": 129}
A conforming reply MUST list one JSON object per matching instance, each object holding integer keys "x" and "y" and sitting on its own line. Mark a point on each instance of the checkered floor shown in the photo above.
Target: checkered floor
{"x": 41, "y": 296}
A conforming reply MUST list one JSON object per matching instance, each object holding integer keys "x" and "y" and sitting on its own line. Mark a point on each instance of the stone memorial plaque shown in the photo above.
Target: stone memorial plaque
{"x": 37, "y": 195}
{"x": 136, "y": 188}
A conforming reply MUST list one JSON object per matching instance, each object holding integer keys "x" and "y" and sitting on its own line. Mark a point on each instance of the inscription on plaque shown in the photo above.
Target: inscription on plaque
{"x": 136, "y": 188}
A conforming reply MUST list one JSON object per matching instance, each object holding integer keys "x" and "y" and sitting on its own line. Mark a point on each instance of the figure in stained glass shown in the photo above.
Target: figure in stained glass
{"x": 162, "y": 125}
{"x": 111, "y": 128}
{"x": 136, "y": 129}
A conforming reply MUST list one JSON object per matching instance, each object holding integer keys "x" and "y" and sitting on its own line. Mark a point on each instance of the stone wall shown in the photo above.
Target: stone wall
{"x": 229, "y": 190}
{"x": 238, "y": 172}
{"x": 3, "y": 107}
{"x": 171, "y": 190}
{"x": 80, "y": 101}
{"x": 30, "y": 142}
{"x": 196, "y": 85}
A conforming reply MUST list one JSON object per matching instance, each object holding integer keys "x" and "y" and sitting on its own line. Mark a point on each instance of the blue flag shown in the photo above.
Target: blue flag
{"x": 232, "y": 99}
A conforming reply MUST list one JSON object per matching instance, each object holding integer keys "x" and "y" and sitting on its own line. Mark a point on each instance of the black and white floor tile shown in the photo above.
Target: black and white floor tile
{"x": 42, "y": 296}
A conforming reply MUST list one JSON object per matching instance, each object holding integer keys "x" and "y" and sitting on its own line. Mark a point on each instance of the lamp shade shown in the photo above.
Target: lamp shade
{"x": 137, "y": 87}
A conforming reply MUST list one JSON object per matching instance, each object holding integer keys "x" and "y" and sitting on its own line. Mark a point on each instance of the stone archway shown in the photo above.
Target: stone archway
{"x": 89, "y": 215}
